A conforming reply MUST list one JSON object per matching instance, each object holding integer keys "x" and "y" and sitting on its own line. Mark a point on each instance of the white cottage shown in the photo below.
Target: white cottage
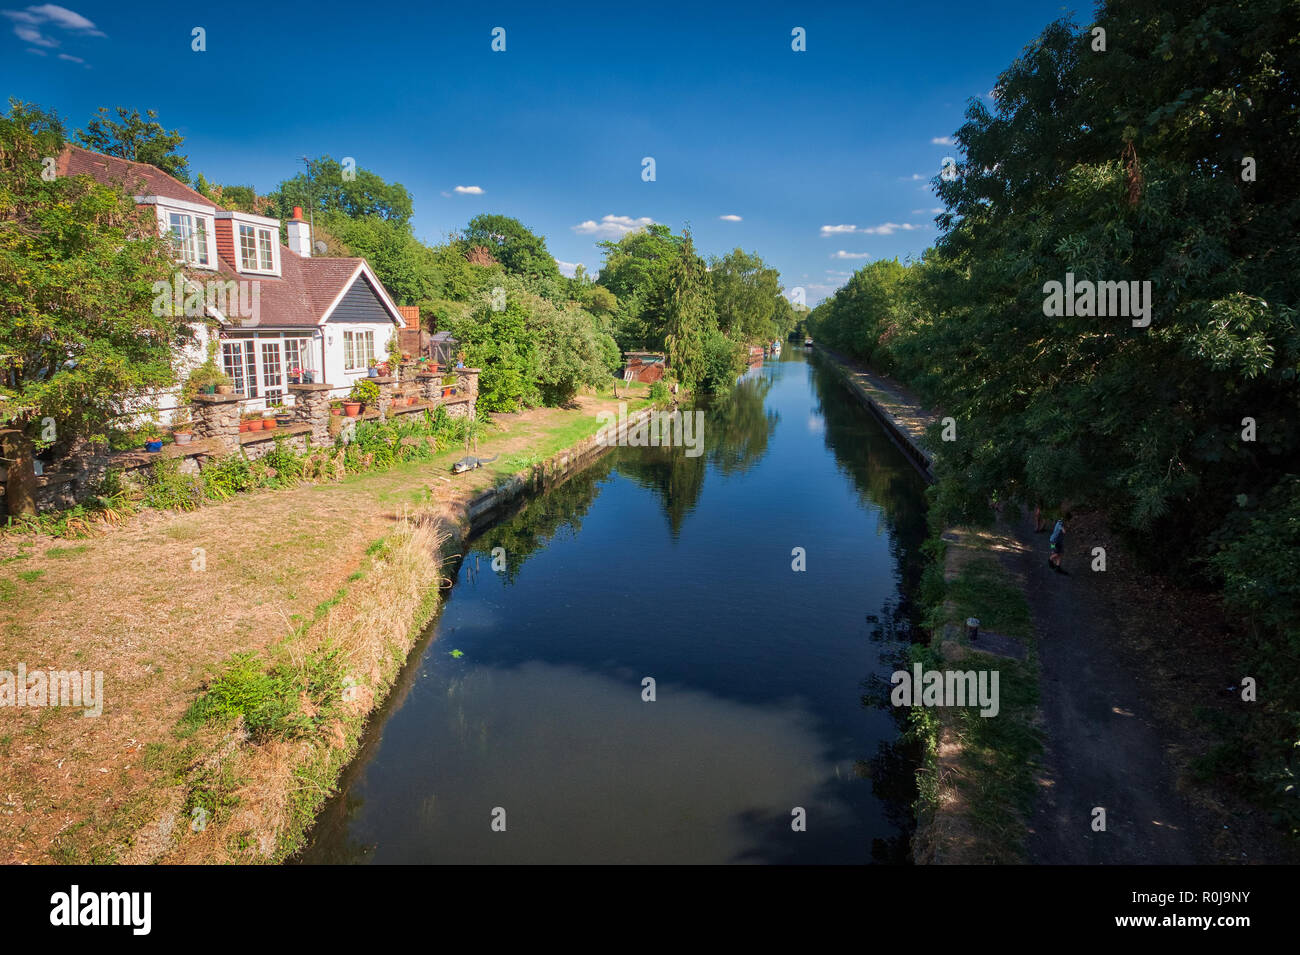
{"x": 281, "y": 312}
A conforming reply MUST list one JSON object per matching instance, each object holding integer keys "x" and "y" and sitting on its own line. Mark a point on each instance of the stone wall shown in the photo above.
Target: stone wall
{"x": 216, "y": 430}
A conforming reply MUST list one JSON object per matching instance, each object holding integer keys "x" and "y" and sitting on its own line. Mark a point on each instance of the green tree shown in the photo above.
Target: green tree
{"x": 79, "y": 336}
{"x": 520, "y": 250}
{"x": 688, "y": 315}
{"x": 138, "y": 138}
{"x": 355, "y": 192}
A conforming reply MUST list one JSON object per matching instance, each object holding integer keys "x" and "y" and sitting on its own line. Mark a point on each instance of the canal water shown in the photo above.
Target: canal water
{"x": 524, "y": 705}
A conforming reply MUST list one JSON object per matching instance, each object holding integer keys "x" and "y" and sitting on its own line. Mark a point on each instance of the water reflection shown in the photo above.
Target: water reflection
{"x": 760, "y": 670}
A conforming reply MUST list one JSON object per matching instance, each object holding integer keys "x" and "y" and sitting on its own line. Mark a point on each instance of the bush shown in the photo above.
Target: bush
{"x": 365, "y": 391}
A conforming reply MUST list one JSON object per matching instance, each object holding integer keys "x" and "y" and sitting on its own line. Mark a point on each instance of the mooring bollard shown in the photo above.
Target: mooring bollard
{"x": 972, "y": 628}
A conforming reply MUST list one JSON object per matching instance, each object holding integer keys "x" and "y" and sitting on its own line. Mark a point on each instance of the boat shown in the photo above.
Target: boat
{"x": 807, "y": 343}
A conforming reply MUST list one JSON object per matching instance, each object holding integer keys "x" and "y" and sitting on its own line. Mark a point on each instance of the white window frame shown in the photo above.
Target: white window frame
{"x": 351, "y": 340}
{"x": 266, "y": 237}
{"x": 164, "y": 209}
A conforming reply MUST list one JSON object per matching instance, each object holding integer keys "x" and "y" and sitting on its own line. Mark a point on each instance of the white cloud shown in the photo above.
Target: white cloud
{"x": 730, "y": 218}
{"x": 70, "y": 58}
{"x": 841, "y": 254}
{"x": 28, "y": 24}
{"x": 611, "y": 226}
{"x": 889, "y": 228}
{"x": 469, "y": 190}
{"x": 914, "y": 177}
{"x": 943, "y": 141}
{"x": 838, "y": 273}
{"x": 920, "y": 212}
{"x": 568, "y": 269}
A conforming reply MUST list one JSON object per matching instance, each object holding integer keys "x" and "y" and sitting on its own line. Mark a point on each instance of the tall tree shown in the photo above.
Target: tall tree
{"x": 328, "y": 186}
{"x": 689, "y": 316}
{"x": 79, "y": 334}
{"x": 136, "y": 137}
{"x": 515, "y": 246}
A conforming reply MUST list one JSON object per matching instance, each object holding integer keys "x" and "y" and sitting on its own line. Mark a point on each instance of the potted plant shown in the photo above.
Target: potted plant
{"x": 182, "y": 432}
{"x": 373, "y": 370}
{"x": 268, "y": 419}
{"x": 253, "y": 420}
{"x": 295, "y": 376}
{"x": 308, "y": 376}
{"x": 448, "y": 385}
{"x": 336, "y": 407}
{"x": 364, "y": 392}
{"x": 152, "y": 440}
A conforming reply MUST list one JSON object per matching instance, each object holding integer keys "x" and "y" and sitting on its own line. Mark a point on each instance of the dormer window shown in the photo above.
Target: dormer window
{"x": 256, "y": 248}
{"x": 189, "y": 234}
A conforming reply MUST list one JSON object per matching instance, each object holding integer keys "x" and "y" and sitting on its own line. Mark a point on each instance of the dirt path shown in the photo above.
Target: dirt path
{"x": 1103, "y": 747}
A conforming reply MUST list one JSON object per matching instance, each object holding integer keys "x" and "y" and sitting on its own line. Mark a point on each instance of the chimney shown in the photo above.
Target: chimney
{"x": 299, "y": 234}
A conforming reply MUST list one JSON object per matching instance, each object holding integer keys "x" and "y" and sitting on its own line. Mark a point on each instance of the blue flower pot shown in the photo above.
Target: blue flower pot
{"x": 153, "y": 445}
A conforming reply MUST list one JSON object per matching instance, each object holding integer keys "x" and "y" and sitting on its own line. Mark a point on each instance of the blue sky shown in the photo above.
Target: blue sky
{"x": 554, "y": 129}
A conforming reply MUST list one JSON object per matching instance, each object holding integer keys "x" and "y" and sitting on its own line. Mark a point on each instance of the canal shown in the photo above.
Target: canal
{"x": 523, "y": 705}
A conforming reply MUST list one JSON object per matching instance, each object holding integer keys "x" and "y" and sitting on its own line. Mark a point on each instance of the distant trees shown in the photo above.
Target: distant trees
{"x": 138, "y": 138}
{"x": 521, "y": 251}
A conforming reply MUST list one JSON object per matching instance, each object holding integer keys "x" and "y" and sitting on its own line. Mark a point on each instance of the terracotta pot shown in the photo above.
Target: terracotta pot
{"x": 352, "y": 408}
{"x": 225, "y": 389}
{"x": 255, "y": 424}
{"x": 336, "y": 409}
{"x": 244, "y": 426}
{"x": 268, "y": 424}
{"x": 446, "y": 392}
{"x": 182, "y": 437}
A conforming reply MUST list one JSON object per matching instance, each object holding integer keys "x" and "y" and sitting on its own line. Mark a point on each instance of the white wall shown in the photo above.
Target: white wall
{"x": 334, "y": 373}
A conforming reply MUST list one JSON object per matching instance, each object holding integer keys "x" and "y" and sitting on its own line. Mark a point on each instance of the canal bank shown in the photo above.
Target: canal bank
{"x": 245, "y": 595}
{"x": 976, "y": 782}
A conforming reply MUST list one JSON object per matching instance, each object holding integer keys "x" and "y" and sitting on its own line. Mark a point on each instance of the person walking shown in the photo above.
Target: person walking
{"x": 1056, "y": 543}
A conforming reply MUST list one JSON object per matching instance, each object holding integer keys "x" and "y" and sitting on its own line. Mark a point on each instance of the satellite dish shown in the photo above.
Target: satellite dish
{"x": 321, "y": 247}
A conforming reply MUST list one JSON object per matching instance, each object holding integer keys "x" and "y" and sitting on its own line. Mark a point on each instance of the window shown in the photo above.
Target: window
{"x": 255, "y": 249}
{"x": 271, "y": 372}
{"x": 358, "y": 350}
{"x": 232, "y": 360}
{"x": 190, "y": 237}
{"x": 299, "y": 354}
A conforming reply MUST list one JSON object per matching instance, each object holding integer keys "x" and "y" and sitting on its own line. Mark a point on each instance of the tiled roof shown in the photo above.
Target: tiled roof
{"x": 297, "y": 299}
{"x": 137, "y": 178}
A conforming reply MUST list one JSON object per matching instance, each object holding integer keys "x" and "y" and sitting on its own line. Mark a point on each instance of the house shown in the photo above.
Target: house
{"x": 277, "y": 308}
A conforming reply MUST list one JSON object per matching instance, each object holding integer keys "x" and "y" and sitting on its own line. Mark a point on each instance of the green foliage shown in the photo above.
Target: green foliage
{"x": 77, "y": 265}
{"x": 134, "y": 137}
{"x": 659, "y": 393}
{"x": 324, "y": 187}
{"x": 365, "y": 391}
{"x": 499, "y": 343}
{"x": 521, "y": 251}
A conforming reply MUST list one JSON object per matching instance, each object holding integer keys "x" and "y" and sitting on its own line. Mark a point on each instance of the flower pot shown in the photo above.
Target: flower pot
{"x": 309, "y": 377}
{"x": 208, "y": 390}
{"x": 153, "y": 446}
{"x": 372, "y": 372}
{"x": 268, "y": 424}
{"x": 225, "y": 389}
{"x": 183, "y": 437}
{"x": 295, "y": 379}
{"x": 336, "y": 409}
{"x": 254, "y": 424}
{"x": 352, "y": 408}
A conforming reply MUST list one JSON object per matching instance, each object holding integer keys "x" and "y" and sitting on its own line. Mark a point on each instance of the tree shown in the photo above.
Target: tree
{"x": 689, "y": 316}
{"x": 78, "y": 332}
{"x": 133, "y": 137}
{"x": 520, "y": 250}
{"x": 328, "y": 187}
{"x": 745, "y": 291}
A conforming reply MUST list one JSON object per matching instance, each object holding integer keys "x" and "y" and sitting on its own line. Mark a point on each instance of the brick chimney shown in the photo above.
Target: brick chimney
{"x": 299, "y": 234}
